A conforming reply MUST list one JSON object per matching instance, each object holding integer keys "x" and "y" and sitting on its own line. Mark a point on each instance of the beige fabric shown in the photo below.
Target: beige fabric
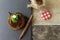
{"x": 54, "y": 7}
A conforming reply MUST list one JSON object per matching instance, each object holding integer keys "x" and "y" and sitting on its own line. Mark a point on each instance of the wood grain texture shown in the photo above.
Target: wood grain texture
{"x": 46, "y": 32}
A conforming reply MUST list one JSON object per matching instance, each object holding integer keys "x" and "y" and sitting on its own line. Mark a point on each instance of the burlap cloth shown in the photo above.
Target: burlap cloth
{"x": 54, "y": 8}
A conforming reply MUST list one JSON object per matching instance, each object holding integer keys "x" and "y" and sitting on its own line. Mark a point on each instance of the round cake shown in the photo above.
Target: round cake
{"x": 16, "y": 21}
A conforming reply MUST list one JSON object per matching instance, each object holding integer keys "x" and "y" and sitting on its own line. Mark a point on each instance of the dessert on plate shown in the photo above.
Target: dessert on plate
{"x": 16, "y": 20}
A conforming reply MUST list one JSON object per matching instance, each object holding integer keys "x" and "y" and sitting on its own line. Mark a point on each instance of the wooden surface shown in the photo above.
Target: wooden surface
{"x": 54, "y": 7}
{"x": 46, "y": 32}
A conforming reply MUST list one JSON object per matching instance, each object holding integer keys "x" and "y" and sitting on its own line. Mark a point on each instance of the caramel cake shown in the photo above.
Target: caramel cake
{"x": 17, "y": 21}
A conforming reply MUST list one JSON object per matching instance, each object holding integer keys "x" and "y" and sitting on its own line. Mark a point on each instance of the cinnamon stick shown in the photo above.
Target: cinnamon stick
{"x": 26, "y": 27}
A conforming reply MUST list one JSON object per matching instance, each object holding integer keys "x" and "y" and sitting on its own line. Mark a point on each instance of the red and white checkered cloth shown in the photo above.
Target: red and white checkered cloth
{"x": 45, "y": 15}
